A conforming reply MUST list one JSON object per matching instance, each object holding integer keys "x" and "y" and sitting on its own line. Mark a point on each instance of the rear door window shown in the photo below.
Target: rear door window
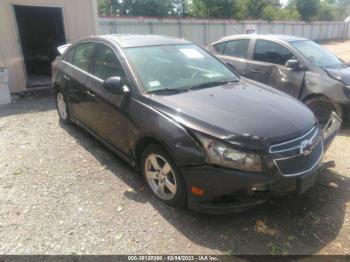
{"x": 237, "y": 48}
{"x": 107, "y": 63}
{"x": 220, "y": 47}
{"x": 270, "y": 52}
{"x": 82, "y": 56}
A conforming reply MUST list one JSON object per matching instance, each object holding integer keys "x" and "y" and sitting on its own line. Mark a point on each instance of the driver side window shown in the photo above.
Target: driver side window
{"x": 270, "y": 52}
{"x": 107, "y": 63}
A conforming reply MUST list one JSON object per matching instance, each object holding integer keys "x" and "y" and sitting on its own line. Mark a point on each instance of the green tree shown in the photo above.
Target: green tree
{"x": 241, "y": 11}
{"x": 270, "y": 10}
{"x": 157, "y": 8}
{"x": 104, "y": 7}
{"x": 308, "y": 9}
{"x": 327, "y": 12}
{"x": 342, "y": 8}
{"x": 214, "y": 9}
{"x": 256, "y": 7}
{"x": 182, "y": 7}
{"x": 271, "y": 13}
{"x": 237, "y": 9}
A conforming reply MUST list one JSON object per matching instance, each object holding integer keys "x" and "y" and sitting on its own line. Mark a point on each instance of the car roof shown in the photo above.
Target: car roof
{"x": 284, "y": 38}
{"x": 130, "y": 40}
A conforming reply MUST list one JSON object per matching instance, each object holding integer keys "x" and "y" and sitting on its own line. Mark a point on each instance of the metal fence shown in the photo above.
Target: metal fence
{"x": 204, "y": 31}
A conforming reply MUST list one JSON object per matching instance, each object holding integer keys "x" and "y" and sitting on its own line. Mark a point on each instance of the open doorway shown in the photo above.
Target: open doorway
{"x": 41, "y": 31}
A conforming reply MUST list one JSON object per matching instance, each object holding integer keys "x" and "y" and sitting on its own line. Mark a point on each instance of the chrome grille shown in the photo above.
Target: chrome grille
{"x": 311, "y": 135}
{"x": 300, "y": 155}
{"x": 301, "y": 163}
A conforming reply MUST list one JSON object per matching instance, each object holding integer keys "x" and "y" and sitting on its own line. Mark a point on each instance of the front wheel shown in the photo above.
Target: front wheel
{"x": 322, "y": 107}
{"x": 62, "y": 108}
{"x": 162, "y": 176}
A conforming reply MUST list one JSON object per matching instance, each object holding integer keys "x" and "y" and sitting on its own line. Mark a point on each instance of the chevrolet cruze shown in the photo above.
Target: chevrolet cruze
{"x": 202, "y": 137}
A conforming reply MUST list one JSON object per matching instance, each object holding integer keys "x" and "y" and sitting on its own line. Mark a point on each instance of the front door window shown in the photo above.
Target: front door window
{"x": 270, "y": 52}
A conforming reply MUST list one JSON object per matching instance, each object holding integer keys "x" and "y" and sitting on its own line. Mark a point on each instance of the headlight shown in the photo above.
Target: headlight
{"x": 221, "y": 154}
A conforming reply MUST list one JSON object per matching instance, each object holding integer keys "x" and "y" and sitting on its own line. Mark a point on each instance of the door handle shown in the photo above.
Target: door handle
{"x": 67, "y": 77}
{"x": 258, "y": 72}
{"x": 90, "y": 93}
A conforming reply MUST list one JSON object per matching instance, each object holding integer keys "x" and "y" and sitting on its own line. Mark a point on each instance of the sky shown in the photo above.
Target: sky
{"x": 284, "y": 2}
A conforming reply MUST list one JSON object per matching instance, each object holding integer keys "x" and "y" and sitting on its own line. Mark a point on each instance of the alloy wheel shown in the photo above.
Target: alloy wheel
{"x": 160, "y": 177}
{"x": 61, "y": 106}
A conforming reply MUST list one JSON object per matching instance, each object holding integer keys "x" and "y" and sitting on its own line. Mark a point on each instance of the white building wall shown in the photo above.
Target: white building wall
{"x": 80, "y": 20}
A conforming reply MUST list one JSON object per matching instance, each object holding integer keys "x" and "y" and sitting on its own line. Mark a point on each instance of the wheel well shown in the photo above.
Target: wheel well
{"x": 339, "y": 108}
{"x": 141, "y": 146}
{"x": 308, "y": 97}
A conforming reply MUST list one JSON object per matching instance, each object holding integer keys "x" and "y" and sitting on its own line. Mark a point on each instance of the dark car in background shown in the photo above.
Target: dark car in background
{"x": 202, "y": 137}
{"x": 296, "y": 66}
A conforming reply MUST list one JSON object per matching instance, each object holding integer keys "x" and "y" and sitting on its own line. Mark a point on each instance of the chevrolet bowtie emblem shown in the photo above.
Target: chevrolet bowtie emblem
{"x": 305, "y": 147}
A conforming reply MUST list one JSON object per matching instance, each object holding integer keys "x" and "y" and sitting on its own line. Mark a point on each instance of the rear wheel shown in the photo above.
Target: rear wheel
{"x": 62, "y": 108}
{"x": 322, "y": 107}
{"x": 162, "y": 176}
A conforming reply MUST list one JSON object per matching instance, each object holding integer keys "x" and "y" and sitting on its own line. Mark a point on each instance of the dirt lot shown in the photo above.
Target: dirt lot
{"x": 62, "y": 192}
{"x": 341, "y": 49}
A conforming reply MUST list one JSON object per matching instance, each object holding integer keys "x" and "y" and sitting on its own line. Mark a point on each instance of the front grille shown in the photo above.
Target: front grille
{"x": 311, "y": 135}
{"x": 301, "y": 163}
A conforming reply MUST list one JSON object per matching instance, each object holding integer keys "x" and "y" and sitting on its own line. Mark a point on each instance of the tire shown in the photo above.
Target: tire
{"x": 322, "y": 107}
{"x": 174, "y": 189}
{"x": 62, "y": 108}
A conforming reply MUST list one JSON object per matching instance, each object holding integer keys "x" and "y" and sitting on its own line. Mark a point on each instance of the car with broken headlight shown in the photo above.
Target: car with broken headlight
{"x": 294, "y": 65}
{"x": 202, "y": 137}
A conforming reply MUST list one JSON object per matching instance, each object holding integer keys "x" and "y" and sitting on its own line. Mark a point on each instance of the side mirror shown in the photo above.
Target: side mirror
{"x": 114, "y": 85}
{"x": 293, "y": 64}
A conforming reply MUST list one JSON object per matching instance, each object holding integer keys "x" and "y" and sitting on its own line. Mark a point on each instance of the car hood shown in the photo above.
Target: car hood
{"x": 245, "y": 113}
{"x": 341, "y": 74}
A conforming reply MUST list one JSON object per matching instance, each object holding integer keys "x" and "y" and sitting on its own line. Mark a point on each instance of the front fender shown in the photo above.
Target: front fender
{"x": 149, "y": 122}
{"x": 320, "y": 83}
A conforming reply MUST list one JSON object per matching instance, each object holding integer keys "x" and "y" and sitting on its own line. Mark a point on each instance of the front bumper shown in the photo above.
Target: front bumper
{"x": 229, "y": 191}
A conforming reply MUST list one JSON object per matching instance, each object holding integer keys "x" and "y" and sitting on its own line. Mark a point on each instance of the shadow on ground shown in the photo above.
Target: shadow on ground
{"x": 345, "y": 130}
{"x": 30, "y": 102}
{"x": 303, "y": 225}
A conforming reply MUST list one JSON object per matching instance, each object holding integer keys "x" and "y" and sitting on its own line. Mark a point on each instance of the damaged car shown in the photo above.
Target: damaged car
{"x": 294, "y": 65}
{"x": 202, "y": 137}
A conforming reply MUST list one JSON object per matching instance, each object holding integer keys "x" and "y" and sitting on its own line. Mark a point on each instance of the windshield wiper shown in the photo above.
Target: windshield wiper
{"x": 194, "y": 87}
{"x": 167, "y": 91}
{"x": 210, "y": 84}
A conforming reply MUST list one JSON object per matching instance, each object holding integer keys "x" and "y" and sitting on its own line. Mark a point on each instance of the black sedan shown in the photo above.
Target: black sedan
{"x": 202, "y": 137}
{"x": 294, "y": 65}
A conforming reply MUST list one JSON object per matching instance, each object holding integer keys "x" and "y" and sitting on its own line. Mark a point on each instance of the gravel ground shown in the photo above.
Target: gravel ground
{"x": 341, "y": 49}
{"x": 62, "y": 192}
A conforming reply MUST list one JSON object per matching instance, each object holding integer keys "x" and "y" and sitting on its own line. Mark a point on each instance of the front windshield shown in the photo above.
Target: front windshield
{"x": 316, "y": 54}
{"x": 176, "y": 67}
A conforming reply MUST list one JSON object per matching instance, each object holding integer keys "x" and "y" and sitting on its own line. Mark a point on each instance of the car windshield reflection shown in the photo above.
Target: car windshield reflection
{"x": 176, "y": 67}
